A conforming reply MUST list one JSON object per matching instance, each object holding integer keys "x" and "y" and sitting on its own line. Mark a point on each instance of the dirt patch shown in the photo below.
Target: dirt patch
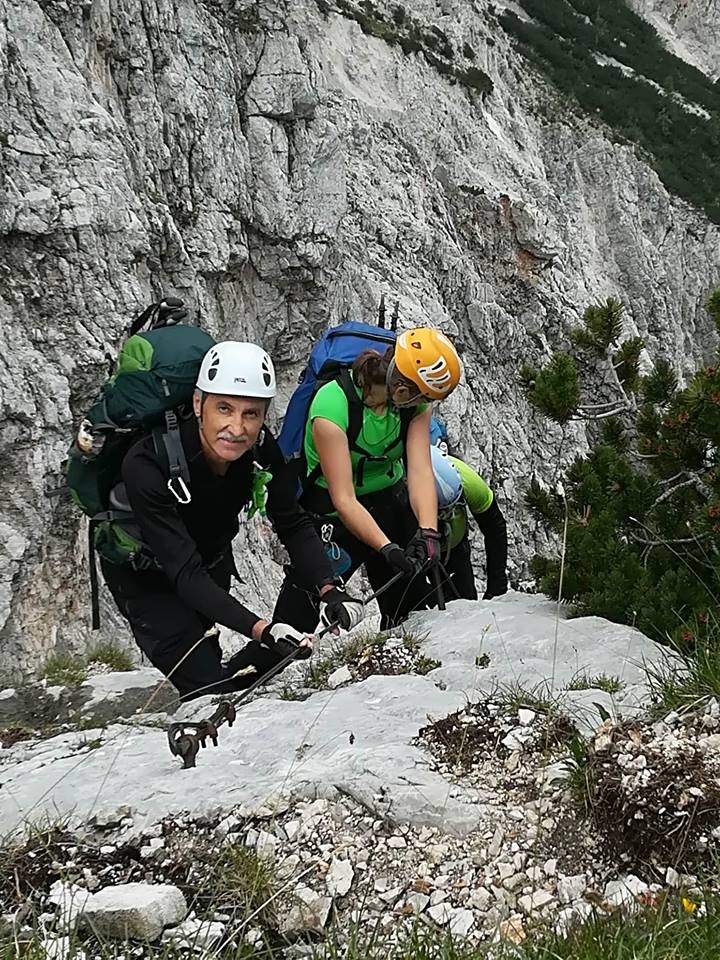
{"x": 482, "y": 731}
{"x": 9, "y": 736}
{"x": 654, "y": 793}
{"x": 391, "y": 656}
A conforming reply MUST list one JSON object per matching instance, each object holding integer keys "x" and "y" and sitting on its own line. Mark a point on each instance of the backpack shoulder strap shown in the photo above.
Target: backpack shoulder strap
{"x": 355, "y": 420}
{"x": 356, "y": 408}
{"x": 170, "y": 451}
{"x": 407, "y": 415}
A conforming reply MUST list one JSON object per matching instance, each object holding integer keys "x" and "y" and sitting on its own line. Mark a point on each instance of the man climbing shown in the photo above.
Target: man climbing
{"x": 233, "y": 463}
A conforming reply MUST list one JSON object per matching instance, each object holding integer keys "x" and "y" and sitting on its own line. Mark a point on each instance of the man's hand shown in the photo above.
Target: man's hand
{"x": 424, "y": 548}
{"x": 286, "y": 639}
{"x": 336, "y": 607}
{"x": 395, "y": 558}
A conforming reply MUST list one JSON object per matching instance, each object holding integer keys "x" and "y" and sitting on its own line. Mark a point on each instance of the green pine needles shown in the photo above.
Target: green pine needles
{"x": 644, "y": 503}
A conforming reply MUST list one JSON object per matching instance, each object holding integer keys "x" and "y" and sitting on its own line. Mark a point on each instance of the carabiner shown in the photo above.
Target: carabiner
{"x": 184, "y": 495}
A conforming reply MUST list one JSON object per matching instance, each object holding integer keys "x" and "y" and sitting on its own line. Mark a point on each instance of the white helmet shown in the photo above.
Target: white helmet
{"x": 237, "y": 370}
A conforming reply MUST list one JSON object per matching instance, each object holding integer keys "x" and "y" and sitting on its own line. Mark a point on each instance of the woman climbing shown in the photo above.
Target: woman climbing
{"x": 369, "y": 481}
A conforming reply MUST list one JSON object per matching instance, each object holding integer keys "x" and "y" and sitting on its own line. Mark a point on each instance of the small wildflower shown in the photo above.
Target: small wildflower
{"x": 689, "y": 906}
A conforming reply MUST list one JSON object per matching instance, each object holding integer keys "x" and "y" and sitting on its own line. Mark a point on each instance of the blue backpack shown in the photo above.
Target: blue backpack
{"x": 331, "y": 359}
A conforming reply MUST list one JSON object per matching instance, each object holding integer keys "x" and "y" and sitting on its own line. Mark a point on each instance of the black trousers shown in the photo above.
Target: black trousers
{"x": 172, "y": 634}
{"x": 298, "y": 605}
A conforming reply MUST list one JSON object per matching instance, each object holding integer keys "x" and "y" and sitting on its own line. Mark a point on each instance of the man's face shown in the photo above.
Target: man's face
{"x": 229, "y": 426}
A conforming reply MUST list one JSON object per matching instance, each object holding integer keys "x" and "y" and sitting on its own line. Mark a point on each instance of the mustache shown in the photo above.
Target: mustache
{"x": 231, "y": 437}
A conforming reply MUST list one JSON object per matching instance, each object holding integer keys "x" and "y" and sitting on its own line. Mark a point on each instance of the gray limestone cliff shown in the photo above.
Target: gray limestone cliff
{"x": 279, "y": 168}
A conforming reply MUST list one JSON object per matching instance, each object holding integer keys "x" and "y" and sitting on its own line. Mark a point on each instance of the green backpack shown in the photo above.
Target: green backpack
{"x": 151, "y": 388}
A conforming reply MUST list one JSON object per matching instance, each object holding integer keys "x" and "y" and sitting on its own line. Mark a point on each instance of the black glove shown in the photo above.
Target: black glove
{"x": 285, "y": 639}
{"x": 336, "y": 607}
{"x": 395, "y": 558}
{"x": 261, "y": 656}
{"x": 424, "y": 548}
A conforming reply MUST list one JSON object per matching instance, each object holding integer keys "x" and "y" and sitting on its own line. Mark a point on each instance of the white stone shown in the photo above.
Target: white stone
{"x": 62, "y": 948}
{"x": 672, "y": 877}
{"x": 138, "y": 910}
{"x": 195, "y": 934}
{"x": 533, "y": 902}
{"x": 496, "y": 843}
{"x": 291, "y": 828}
{"x": 288, "y": 866}
{"x": 151, "y": 848}
{"x": 307, "y": 915}
{"x": 397, "y": 843}
{"x": 461, "y": 922}
{"x": 71, "y": 900}
{"x": 338, "y": 677}
{"x": 228, "y": 825}
{"x": 571, "y": 888}
{"x": 315, "y": 808}
{"x": 624, "y": 891}
{"x": 440, "y": 913}
{"x": 111, "y": 818}
{"x": 526, "y": 717}
{"x": 339, "y": 877}
{"x": 266, "y": 845}
{"x": 515, "y": 882}
{"x": 417, "y": 901}
{"x": 390, "y": 896}
{"x": 480, "y": 899}
{"x": 553, "y": 774}
{"x": 570, "y": 917}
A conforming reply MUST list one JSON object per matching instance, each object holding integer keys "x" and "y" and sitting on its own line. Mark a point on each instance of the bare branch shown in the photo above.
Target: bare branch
{"x": 666, "y": 543}
{"x": 598, "y": 416}
{"x": 692, "y": 482}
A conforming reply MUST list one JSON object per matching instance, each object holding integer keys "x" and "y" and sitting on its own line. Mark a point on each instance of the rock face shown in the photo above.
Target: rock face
{"x": 279, "y": 168}
{"x": 357, "y": 740}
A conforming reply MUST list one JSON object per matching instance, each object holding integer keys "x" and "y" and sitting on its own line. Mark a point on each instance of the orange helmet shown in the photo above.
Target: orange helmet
{"x": 426, "y": 357}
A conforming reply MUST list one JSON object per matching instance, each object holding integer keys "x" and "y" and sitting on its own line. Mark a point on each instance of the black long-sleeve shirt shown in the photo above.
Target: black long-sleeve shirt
{"x": 186, "y": 538}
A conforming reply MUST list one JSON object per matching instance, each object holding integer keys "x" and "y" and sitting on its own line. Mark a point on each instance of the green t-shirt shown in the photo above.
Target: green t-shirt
{"x": 478, "y": 497}
{"x": 377, "y": 433}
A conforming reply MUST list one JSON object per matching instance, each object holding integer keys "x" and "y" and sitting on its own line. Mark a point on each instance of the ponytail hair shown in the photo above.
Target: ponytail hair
{"x": 370, "y": 369}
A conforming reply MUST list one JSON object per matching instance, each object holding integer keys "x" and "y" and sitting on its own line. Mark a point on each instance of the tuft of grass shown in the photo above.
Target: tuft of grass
{"x": 515, "y": 697}
{"x": 64, "y": 670}
{"x": 111, "y": 655}
{"x": 243, "y": 882}
{"x": 685, "y": 678}
{"x": 602, "y": 681}
{"x": 423, "y": 665}
{"x": 578, "y": 763}
{"x": 290, "y": 692}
